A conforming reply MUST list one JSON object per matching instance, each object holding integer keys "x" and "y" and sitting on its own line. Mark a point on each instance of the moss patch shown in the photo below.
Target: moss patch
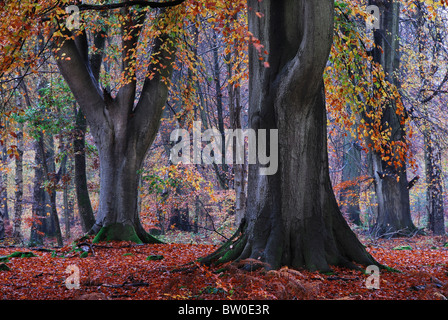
{"x": 403, "y": 248}
{"x": 21, "y": 254}
{"x": 4, "y": 267}
{"x": 117, "y": 231}
{"x": 154, "y": 257}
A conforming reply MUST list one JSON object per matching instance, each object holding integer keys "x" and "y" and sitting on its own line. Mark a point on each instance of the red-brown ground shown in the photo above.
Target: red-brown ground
{"x": 121, "y": 271}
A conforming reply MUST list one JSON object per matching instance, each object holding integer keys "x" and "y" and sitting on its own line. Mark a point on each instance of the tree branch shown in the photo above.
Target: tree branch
{"x": 437, "y": 91}
{"x": 305, "y": 69}
{"x": 79, "y": 77}
{"x": 143, "y": 3}
{"x": 96, "y": 58}
{"x": 131, "y": 29}
{"x": 148, "y": 111}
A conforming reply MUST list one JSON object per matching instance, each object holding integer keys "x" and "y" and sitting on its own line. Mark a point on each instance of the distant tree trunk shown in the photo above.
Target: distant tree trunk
{"x": 292, "y": 216}
{"x": 394, "y": 215}
{"x": 222, "y": 169}
{"x": 239, "y": 170}
{"x": 180, "y": 218}
{"x": 67, "y": 214}
{"x": 17, "y": 229}
{"x": 38, "y": 206}
{"x": 4, "y": 215}
{"x": 197, "y": 210}
{"x": 46, "y": 146}
{"x": 82, "y": 191}
{"x": 67, "y": 207}
{"x": 2, "y": 225}
{"x": 432, "y": 148}
{"x": 434, "y": 191}
{"x": 351, "y": 170}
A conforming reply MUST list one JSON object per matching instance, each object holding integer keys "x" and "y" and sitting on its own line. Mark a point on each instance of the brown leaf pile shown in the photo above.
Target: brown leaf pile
{"x": 121, "y": 270}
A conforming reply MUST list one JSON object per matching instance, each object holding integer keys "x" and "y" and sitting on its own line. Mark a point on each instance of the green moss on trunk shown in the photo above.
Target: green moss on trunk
{"x": 117, "y": 231}
{"x": 122, "y": 232}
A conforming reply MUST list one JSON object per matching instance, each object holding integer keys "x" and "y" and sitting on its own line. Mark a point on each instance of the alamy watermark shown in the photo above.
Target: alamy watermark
{"x": 373, "y": 18}
{"x": 73, "y": 20}
{"x": 373, "y": 280}
{"x": 72, "y": 281}
{"x": 258, "y": 142}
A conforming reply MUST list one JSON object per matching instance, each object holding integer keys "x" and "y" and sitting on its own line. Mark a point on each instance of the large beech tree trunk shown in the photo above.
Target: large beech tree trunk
{"x": 292, "y": 216}
{"x": 122, "y": 128}
{"x": 120, "y": 161}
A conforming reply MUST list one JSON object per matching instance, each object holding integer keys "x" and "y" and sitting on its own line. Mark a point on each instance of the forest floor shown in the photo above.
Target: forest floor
{"x": 121, "y": 270}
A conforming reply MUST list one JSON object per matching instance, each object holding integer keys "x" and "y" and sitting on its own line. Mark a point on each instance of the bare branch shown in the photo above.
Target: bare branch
{"x": 143, "y": 3}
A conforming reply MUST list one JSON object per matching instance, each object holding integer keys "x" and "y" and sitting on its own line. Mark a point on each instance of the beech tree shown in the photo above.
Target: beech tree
{"x": 123, "y": 126}
{"x": 391, "y": 183}
{"x": 292, "y": 216}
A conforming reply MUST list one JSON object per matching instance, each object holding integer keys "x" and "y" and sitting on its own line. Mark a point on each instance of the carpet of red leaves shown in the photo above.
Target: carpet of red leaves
{"x": 120, "y": 270}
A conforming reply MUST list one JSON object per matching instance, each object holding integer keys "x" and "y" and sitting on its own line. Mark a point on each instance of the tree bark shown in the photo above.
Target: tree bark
{"x": 239, "y": 170}
{"x": 46, "y": 149}
{"x": 38, "y": 206}
{"x": 82, "y": 191}
{"x": 18, "y": 209}
{"x": 292, "y": 216}
{"x": 351, "y": 170}
{"x": 4, "y": 216}
{"x": 122, "y": 130}
{"x": 222, "y": 169}
{"x": 434, "y": 191}
{"x": 394, "y": 215}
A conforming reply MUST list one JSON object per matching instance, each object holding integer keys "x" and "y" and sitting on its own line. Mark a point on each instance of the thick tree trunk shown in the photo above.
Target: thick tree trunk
{"x": 119, "y": 178}
{"x": 292, "y": 216}
{"x": 394, "y": 215}
{"x": 122, "y": 129}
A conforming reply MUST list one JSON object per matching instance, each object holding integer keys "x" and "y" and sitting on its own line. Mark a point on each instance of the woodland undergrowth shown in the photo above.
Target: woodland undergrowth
{"x": 418, "y": 269}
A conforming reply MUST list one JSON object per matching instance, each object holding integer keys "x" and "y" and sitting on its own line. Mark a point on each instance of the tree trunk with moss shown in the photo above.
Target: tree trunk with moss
{"x": 123, "y": 127}
{"x": 292, "y": 216}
